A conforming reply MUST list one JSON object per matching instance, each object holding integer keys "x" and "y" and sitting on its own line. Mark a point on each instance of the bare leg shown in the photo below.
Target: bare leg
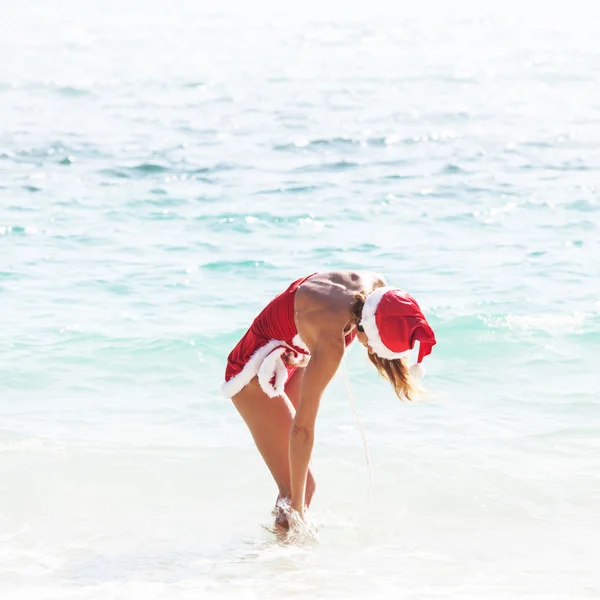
{"x": 292, "y": 387}
{"x": 270, "y": 421}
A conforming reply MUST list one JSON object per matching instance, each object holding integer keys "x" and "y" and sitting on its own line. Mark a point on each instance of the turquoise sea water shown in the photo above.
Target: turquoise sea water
{"x": 165, "y": 171}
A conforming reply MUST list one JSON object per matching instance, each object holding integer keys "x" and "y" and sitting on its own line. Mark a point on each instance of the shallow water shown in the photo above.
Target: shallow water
{"x": 164, "y": 172}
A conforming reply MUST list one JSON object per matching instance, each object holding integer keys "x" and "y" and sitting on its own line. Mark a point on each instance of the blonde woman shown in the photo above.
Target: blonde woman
{"x": 278, "y": 371}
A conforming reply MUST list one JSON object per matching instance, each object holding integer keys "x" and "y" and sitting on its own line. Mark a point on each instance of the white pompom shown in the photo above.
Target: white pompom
{"x": 417, "y": 371}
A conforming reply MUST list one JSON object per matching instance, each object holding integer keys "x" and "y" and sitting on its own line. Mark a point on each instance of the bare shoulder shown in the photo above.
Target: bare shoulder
{"x": 323, "y": 303}
{"x": 334, "y": 286}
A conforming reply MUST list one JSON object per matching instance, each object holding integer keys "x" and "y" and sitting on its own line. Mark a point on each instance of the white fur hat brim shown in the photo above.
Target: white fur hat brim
{"x": 369, "y": 324}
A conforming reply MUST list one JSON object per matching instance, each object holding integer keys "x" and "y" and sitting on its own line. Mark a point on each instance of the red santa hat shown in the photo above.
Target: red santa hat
{"x": 393, "y": 322}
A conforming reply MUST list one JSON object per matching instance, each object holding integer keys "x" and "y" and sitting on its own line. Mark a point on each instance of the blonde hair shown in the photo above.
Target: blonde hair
{"x": 396, "y": 371}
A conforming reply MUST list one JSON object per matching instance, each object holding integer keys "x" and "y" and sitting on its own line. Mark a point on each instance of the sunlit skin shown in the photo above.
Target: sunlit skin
{"x": 361, "y": 337}
{"x": 283, "y": 427}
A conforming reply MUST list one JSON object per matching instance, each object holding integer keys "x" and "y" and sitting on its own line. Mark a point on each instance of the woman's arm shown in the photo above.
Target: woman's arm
{"x": 322, "y": 311}
{"x": 324, "y": 362}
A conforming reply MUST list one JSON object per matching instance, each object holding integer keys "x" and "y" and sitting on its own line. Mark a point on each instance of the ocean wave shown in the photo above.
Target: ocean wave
{"x": 552, "y": 324}
{"x": 20, "y": 230}
{"x": 237, "y": 266}
{"x": 317, "y": 143}
{"x": 293, "y": 189}
{"x": 328, "y": 167}
{"x": 354, "y": 144}
{"x": 583, "y": 206}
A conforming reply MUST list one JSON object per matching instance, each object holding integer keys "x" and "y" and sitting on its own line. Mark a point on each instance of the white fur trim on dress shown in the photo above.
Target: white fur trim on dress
{"x": 299, "y": 343}
{"x": 271, "y": 367}
{"x": 251, "y": 368}
{"x": 266, "y": 362}
{"x": 369, "y": 324}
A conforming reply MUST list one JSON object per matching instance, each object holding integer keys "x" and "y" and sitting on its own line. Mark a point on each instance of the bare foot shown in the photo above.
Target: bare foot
{"x": 280, "y": 529}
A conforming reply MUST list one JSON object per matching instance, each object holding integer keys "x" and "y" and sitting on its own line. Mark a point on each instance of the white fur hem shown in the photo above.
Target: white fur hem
{"x": 369, "y": 324}
{"x": 273, "y": 366}
{"x": 299, "y": 343}
{"x": 266, "y": 362}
